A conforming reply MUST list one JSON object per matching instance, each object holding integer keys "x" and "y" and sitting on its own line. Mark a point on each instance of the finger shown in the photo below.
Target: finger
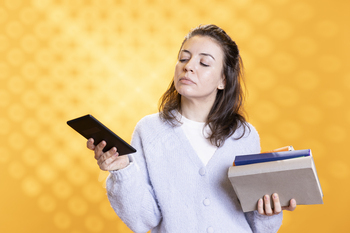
{"x": 90, "y": 144}
{"x": 115, "y": 163}
{"x": 99, "y": 148}
{"x": 119, "y": 163}
{"x": 276, "y": 204}
{"x": 292, "y": 205}
{"x": 261, "y": 206}
{"x": 267, "y": 205}
{"x": 112, "y": 153}
{"x": 106, "y": 164}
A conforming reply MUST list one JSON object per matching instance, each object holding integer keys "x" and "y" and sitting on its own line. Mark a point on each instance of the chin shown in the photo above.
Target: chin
{"x": 185, "y": 91}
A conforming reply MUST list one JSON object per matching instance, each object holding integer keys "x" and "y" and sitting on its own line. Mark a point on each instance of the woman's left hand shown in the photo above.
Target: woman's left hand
{"x": 264, "y": 206}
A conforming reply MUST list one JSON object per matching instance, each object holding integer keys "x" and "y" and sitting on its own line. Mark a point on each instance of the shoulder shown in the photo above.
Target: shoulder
{"x": 150, "y": 121}
{"x": 252, "y": 132}
{"x": 152, "y": 133}
{"x": 246, "y": 130}
{"x": 247, "y": 138}
{"x": 152, "y": 126}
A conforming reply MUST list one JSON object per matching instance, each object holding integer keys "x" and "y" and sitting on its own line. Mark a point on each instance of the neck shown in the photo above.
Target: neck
{"x": 195, "y": 110}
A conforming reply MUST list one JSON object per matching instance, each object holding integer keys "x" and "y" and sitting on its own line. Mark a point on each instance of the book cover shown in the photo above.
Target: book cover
{"x": 291, "y": 178}
{"x": 269, "y": 157}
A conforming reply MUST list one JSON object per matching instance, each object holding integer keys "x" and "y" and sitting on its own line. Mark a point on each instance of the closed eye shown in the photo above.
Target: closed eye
{"x": 203, "y": 64}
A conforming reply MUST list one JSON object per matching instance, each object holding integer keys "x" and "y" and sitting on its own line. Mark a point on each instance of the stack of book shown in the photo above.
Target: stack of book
{"x": 289, "y": 173}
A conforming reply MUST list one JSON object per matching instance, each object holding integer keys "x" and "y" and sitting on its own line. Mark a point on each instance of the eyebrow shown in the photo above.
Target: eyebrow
{"x": 204, "y": 54}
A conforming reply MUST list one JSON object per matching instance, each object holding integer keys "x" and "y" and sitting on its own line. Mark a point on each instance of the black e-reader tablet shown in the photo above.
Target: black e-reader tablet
{"x": 90, "y": 127}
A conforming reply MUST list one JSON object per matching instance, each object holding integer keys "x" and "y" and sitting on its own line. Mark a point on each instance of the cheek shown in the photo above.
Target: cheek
{"x": 177, "y": 69}
{"x": 176, "y": 75}
{"x": 211, "y": 77}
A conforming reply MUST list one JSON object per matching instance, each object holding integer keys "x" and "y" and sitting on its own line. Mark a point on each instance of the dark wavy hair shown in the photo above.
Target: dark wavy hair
{"x": 227, "y": 113}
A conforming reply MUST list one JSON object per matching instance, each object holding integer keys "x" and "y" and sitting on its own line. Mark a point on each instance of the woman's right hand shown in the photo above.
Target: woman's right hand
{"x": 109, "y": 160}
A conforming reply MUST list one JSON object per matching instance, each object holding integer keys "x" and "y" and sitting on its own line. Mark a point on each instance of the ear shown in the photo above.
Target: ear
{"x": 222, "y": 83}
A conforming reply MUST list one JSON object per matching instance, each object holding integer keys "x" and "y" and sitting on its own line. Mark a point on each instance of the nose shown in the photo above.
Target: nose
{"x": 189, "y": 67}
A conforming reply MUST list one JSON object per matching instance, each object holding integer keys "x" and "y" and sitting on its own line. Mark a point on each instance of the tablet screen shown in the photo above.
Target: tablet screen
{"x": 90, "y": 127}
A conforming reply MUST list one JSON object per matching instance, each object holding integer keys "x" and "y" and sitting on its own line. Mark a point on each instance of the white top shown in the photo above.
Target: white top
{"x": 197, "y": 135}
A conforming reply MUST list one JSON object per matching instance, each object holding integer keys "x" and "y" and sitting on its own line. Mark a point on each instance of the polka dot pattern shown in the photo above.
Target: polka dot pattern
{"x": 114, "y": 59}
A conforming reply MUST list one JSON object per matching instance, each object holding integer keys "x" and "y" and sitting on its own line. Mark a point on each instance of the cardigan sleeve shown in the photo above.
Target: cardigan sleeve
{"x": 261, "y": 223}
{"x": 264, "y": 224}
{"x": 131, "y": 194}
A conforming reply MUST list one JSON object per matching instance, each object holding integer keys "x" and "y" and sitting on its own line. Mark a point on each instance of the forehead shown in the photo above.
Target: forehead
{"x": 203, "y": 44}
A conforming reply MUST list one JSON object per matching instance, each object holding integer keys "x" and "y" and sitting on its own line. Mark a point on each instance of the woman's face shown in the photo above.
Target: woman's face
{"x": 198, "y": 72}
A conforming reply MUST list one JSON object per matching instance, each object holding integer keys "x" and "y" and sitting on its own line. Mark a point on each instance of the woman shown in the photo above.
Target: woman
{"x": 177, "y": 180}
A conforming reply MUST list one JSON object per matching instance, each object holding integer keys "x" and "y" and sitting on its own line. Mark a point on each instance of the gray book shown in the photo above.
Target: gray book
{"x": 291, "y": 178}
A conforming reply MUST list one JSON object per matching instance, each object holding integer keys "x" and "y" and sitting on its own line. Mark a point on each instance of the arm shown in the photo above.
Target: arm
{"x": 262, "y": 223}
{"x": 266, "y": 218}
{"x": 133, "y": 199}
{"x": 129, "y": 189}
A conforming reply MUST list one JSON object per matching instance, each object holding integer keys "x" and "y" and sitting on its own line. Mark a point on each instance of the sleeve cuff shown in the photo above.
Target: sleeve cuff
{"x": 125, "y": 173}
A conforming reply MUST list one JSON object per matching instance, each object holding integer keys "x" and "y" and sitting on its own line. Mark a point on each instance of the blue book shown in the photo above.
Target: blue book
{"x": 269, "y": 157}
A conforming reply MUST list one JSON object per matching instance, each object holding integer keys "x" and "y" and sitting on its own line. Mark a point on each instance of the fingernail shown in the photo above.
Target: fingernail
{"x": 275, "y": 196}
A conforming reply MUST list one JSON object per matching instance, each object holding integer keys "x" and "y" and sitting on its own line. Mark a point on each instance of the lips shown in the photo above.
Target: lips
{"x": 186, "y": 80}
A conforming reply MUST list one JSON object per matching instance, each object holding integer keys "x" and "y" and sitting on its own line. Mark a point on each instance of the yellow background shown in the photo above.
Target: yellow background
{"x": 60, "y": 59}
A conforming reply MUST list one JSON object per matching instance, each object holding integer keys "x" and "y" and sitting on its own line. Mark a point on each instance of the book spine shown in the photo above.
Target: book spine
{"x": 269, "y": 157}
{"x": 285, "y": 148}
